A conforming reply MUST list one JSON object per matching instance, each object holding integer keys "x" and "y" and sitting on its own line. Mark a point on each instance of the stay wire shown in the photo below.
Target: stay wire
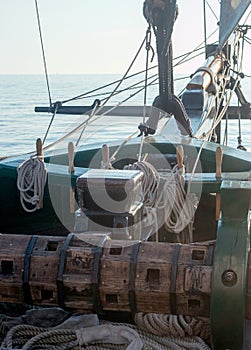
{"x": 213, "y": 12}
{"x": 51, "y": 121}
{"x": 148, "y": 47}
{"x": 205, "y": 23}
{"x": 200, "y": 46}
{"x": 87, "y": 94}
{"x": 124, "y": 76}
{"x": 43, "y": 53}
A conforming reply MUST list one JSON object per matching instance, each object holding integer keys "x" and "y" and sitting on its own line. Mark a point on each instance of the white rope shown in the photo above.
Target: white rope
{"x": 150, "y": 182}
{"x": 31, "y": 179}
{"x": 164, "y": 342}
{"x": 178, "y": 326}
{"x": 179, "y": 207}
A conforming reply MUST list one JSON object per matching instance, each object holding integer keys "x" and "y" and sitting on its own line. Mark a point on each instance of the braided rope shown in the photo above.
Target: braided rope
{"x": 28, "y": 337}
{"x": 179, "y": 206}
{"x": 173, "y": 325}
{"x": 150, "y": 181}
{"x": 175, "y": 205}
{"x": 31, "y": 179}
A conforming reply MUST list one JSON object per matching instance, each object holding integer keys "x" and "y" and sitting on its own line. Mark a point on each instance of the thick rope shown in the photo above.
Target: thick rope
{"x": 173, "y": 325}
{"x": 179, "y": 207}
{"x": 31, "y": 179}
{"x": 112, "y": 336}
{"x": 150, "y": 182}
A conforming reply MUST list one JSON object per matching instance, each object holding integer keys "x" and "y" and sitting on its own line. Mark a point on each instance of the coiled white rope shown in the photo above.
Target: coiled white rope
{"x": 108, "y": 335}
{"x": 31, "y": 179}
{"x": 173, "y": 325}
{"x": 179, "y": 207}
{"x": 171, "y": 201}
{"x": 150, "y": 182}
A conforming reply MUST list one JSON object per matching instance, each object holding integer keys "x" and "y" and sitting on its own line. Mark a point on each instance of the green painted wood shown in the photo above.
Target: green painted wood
{"x": 233, "y": 161}
{"x": 228, "y": 297}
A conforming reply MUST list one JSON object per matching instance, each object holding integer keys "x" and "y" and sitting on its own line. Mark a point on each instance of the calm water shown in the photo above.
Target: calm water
{"x": 20, "y": 126}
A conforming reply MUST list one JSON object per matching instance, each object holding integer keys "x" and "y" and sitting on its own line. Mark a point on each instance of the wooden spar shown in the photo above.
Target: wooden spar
{"x": 97, "y": 274}
{"x": 203, "y": 78}
{"x": 132, "y": 111}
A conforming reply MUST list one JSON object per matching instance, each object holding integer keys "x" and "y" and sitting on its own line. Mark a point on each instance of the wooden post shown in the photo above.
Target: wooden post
{"x": 71, "y": 171}
{"x": 218, "y": 156}
{"x": 105, "y": 163}
{"x": 180, "y": 156}
{"x": 39, "y": 150}
{"x": 39, "y": 147}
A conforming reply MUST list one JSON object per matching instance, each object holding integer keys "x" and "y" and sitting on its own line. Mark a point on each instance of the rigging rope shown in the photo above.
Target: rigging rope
{"x": 51, "y": 121}
{"x": 43, "y": 52}
{"x": 31, "y": 179}
{"x": 239, "y": 139}
{"x": 148, "y": 47}
{"x": 124, "y": 76}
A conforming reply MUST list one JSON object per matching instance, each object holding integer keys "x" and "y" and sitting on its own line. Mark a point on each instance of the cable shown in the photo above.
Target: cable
{"x": 43, "y": 53}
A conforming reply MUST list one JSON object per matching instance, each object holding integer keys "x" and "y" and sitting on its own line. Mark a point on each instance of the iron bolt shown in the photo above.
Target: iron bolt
{"x": 229, "y": 278}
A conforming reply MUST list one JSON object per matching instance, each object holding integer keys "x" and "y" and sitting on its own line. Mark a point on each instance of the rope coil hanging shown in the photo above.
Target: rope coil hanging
{"x": 150, "y": 182}
{"x": 171, "y": 201}
{"x": 31, "y": 179}
{"x": 179, "y": 205}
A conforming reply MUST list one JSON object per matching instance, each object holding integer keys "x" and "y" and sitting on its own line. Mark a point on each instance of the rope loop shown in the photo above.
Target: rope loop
{"x": 31, "y": 179}
{"x": 178, "y": 326}
{"x": 179, "y": 205}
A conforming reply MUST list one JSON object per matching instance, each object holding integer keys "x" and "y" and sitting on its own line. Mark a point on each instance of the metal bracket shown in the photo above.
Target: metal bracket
{"x": 228, "y": 297}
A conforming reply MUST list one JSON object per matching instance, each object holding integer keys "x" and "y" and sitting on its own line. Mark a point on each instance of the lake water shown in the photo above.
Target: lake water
{"x": 20, "y": 126}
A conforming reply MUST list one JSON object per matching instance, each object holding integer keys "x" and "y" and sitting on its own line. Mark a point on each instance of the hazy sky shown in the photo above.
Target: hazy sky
{"x": 86, "y": 36}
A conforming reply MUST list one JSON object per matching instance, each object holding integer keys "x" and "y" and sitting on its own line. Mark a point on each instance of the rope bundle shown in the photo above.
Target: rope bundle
{"x": 150, "y": 181}
{"x": 179, "y": 207}
{"x": 170, "y": 204}
{"x": 112, "y": 336}
{"x": 31, "y": 179}
{"x": 172, "y": 325}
